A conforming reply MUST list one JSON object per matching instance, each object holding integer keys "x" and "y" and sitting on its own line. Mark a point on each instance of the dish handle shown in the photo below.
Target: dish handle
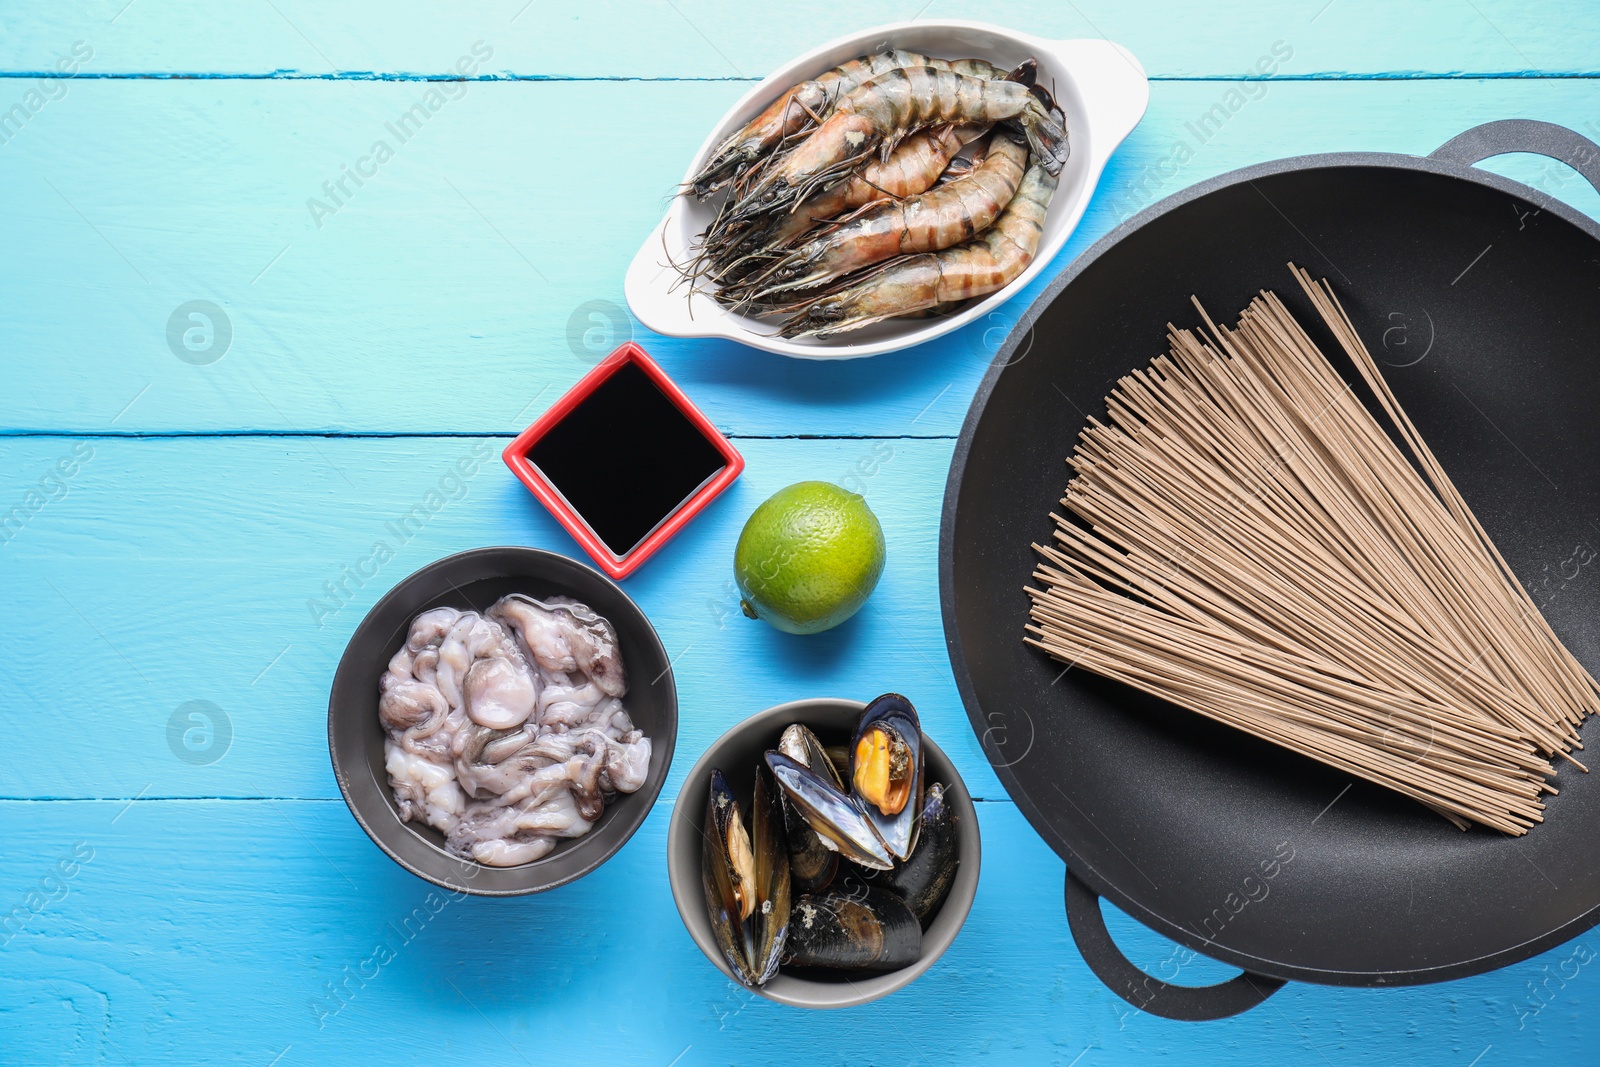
{"x": 1143, "y": 991}
{"x": 1112, "y": 84}
{"x": 653, "y": 300}
{"x": 1523, "y": 135}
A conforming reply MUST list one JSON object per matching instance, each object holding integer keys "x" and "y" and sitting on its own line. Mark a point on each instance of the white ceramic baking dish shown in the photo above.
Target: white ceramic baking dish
{"x": 1099, "y": 86}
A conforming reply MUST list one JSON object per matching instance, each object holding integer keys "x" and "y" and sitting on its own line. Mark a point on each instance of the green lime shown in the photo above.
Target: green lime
{"x": 808, "y": 558}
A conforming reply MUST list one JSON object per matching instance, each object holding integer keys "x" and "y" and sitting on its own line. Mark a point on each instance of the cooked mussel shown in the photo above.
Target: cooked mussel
{"x": 803, "y": 746}
{"x": 886, "y": 770}
{"x": 840, "y": 822}
{"x": 924, "y": 879}
{"x": 839, "y": 758}
{"x": 746, "y": 879}
{"x": 864, "y": 930}
{"x": 771, "y": 848}
{"x": 727, "y": 871}
{"x": 812, "y": 864}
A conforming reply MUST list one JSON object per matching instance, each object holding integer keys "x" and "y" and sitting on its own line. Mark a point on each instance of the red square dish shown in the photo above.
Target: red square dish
{"x": 623, "y": 460}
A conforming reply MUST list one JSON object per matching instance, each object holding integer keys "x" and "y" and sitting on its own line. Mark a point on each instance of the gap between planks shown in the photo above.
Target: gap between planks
{"x": 178, "y": 435}
{"x": 401, "y": 76}
{"x": 269, "y": 800}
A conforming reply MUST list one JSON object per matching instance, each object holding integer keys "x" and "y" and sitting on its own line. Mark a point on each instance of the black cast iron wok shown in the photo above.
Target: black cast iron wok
{"x": 1482, "y": 299}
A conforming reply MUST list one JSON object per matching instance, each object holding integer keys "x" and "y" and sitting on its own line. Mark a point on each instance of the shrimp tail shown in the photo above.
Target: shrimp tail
{"x": 1046, "y": 127}
{"x": 1048, "y": 102}
{"x": 1047, "y": 138}
{"x": 1025, "y": 73}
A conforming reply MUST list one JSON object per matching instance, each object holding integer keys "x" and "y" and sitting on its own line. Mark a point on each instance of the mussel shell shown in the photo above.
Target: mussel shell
{"x": 720, "y": 880}
{"x": 836, "y": 816}
{"x": 802, "y": 746}
{"x": 838, "y": 760}
{"x": 865, "y": 930}
{"x": 812, "y": 864}
{"x": 752, "y": 945}
{"x": 924, "y": 879}
{"x": 769, "y": 923}
{"x": 895, "y": 714}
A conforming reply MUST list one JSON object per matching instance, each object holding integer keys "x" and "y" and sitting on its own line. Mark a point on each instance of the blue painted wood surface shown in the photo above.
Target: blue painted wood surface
{"x": 180, "y": 517}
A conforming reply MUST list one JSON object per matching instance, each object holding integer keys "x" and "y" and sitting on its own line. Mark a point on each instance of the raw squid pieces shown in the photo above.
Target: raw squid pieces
{"x": 506, "y": 730}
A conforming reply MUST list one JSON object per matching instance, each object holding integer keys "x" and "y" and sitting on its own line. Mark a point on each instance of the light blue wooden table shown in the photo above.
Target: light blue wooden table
{"x": 182, "y": 520}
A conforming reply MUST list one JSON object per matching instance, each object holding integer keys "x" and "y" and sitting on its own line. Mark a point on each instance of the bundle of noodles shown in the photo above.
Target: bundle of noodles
{"x": 1251, "y": 544}
{"x": 850, "y": 199}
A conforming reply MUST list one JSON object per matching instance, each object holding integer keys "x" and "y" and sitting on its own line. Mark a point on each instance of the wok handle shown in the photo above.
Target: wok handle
{"x": 1183, "y": 1003}
{"x": 1524, "y": 135}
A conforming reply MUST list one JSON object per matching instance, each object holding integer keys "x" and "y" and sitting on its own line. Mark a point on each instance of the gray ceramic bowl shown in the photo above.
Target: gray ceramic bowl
{"x": 736, "y": 753}
{"x": 474, "y": 580}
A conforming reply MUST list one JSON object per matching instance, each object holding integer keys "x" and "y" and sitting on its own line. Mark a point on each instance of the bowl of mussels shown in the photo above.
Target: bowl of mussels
{"x": 824, "y": 853}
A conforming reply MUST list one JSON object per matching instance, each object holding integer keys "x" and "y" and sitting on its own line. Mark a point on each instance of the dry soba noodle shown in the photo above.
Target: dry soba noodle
{"x": 1249, "y": 543}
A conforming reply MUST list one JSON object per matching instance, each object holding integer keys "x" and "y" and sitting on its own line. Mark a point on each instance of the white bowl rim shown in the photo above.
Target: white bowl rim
{"x": 1103, "y": 77}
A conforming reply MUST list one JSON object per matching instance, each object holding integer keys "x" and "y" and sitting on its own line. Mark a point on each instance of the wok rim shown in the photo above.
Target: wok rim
{"x": 1058, "y": 842}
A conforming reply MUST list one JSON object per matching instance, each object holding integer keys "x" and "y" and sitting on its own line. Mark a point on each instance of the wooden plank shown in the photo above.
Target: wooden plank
{"x": 239, "y": 931}
{"x": 475, "y": 273}
{"x": 160, "y": 572}
{"x": 156, "y": 572}
{"x": 724, "y": 38}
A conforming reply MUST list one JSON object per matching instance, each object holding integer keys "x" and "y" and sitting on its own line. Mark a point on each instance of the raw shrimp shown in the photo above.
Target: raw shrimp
{"x": 916, "y": 283}
{"x": 881, "y": 112}
{"x": 915, "y": 165}
{"x": 934, "y": 220}
{"x": 807, "y": 103}
{"x": 961, "y": 166}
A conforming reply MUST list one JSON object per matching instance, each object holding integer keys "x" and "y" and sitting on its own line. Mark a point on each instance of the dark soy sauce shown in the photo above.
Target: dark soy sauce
{"x": 626, "y": 458}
